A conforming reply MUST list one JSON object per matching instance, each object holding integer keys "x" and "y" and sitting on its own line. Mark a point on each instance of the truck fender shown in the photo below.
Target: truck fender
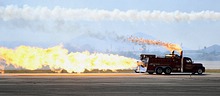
{"x": 194, "y": 69}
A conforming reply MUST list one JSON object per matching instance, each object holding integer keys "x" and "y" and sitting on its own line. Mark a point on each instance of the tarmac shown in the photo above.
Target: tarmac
{"x": 109, "y": 84}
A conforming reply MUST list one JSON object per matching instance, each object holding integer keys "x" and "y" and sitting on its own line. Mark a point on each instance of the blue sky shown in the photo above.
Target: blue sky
{"x": 165, "y": 5}
{"x": 191, "y": 34}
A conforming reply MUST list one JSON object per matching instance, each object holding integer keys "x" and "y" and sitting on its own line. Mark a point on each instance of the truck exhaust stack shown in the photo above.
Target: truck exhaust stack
{"x": 181, "y": 56}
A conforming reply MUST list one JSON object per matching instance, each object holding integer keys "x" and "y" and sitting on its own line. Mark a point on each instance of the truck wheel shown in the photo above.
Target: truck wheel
{"x": 199, "y": 71}
{"x": 167, "y": 70}
{"x": 159, "y": 70}
{"x": 150, "y": 72}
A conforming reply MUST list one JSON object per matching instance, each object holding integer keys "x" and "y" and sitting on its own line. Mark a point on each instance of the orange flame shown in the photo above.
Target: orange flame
{"x": 169, "y": 46}
{"x": 57, "y": 57}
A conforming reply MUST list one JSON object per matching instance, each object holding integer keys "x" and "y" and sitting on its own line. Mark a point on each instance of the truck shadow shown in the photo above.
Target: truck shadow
{"x": 178, "y": 74}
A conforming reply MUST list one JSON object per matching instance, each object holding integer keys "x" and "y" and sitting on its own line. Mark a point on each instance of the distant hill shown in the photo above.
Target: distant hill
{"x": 211, "y": 53}
{"x": 213, "y": 48}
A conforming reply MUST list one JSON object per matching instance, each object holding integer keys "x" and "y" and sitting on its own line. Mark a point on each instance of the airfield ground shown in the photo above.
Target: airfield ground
{"x": 109, "y": 84}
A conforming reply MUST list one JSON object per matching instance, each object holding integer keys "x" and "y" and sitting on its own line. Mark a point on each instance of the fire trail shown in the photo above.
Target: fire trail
{"x": 171, "y": 47}
{"x": 57, "y": 57}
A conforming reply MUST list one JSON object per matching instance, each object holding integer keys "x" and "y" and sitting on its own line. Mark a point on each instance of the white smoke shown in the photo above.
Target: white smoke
{"x": 26, "y": 12}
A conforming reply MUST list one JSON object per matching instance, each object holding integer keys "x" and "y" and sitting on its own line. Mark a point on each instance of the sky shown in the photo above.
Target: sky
{"x": 193, "y": 24}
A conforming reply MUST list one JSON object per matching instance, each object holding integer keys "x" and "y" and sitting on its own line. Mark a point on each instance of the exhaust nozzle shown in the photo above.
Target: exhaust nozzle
{"x": 181, "y": 54}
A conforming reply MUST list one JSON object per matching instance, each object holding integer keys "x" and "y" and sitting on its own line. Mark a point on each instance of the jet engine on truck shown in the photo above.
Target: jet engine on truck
{"x": 167, "y": 64}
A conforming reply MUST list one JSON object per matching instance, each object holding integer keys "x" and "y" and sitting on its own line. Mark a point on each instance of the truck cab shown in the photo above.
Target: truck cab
{"x": 190, "y": 66}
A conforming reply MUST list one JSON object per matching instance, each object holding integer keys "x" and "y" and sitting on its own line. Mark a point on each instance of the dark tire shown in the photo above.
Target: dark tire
{"x": 167, "y": 71}
{"x": 199, "y": 71}
{"x": 150, "y": 72}
{"x": 159, "y": 70}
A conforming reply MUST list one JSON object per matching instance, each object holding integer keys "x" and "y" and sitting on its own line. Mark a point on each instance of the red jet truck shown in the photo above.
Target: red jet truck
{"x": 167, "y": 64}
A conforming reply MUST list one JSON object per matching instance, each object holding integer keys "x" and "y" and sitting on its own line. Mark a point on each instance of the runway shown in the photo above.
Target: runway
{"x": 109, "y": 84}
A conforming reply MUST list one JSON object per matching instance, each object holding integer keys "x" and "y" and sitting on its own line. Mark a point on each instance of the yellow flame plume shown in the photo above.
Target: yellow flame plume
{"x": 57, "y": 57}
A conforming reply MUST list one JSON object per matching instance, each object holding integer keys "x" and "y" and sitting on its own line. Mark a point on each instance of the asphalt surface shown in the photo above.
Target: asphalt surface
{"x": 109, "y": 84}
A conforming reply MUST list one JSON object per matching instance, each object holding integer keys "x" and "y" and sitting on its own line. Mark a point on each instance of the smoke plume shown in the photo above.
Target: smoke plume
{"x": 169, "y": 46}
{"x": 26, "y": 12}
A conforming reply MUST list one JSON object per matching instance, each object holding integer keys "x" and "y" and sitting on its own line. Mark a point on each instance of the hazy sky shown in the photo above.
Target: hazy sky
{"x": 54, "y": 21}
